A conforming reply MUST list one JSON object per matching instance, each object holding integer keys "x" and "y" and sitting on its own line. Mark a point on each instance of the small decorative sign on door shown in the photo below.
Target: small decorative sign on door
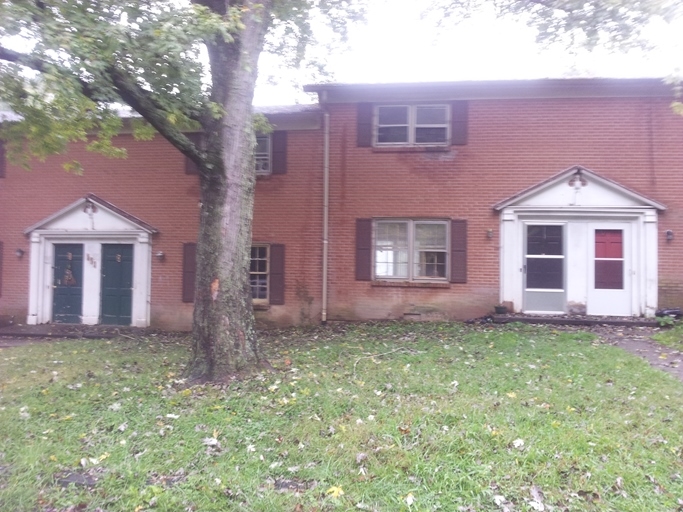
{"x": 69, "y": 279}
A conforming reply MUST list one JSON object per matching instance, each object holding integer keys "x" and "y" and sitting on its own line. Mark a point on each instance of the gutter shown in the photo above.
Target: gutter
{"x": 326, "y": 205}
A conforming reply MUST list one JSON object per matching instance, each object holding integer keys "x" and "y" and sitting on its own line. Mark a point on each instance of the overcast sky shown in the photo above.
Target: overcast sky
{"x": 395, "y": 46}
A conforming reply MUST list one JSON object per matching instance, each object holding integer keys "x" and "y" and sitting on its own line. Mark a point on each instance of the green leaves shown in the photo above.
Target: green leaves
{"x": 69, "y": 60}
{"x": 615, "y": 23}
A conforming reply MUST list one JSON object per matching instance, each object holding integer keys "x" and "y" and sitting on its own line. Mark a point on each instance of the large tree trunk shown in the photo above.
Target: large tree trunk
{"x": 224, "y": 336}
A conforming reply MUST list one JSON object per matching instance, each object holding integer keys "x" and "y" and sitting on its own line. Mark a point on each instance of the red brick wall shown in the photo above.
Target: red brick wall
{"x": 288, "y": 210}
{"x": 513, "y": 144}
{"x": 152, "y": 185}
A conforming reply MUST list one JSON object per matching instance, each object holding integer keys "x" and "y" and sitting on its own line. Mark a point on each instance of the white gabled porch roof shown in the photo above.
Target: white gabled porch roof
{"x": 92, "y": 213}
{"x": 578, "y": 186}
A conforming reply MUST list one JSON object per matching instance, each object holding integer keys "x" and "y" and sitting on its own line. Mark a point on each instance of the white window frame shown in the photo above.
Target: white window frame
{"x": 266, "y": 273}
{"x": 266, "y": 156}
{"x": 413, "y": 253}
{"x": 412, "y": 125}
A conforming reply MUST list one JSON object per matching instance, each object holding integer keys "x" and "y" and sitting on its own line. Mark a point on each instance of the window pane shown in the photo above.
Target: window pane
{"x": 544, "y": 240}
{"x": 545, "y": 273}
{"x": 430, "y": 236}
{"x": 608, "y": 243}
{"x": 609, "y": 275}
{"x": 259, "y": 286}
{"x": 391, "y": 249}
{"x": 392, "y": 115}
{"x": 259, "y": 266}
{"x": 391, "y": 263}
{"x": 259, "y": 252}
{"x": 431, "y": 264}
{"x": 427, "y": 135}
{"x": 263, "y": 144}
{"x": 386, "y": 134}
{"x": 431, "y": 115}
{"x": 392, "y": 233}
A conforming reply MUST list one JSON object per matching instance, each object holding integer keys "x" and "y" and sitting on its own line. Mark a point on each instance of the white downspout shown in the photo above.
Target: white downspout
{"x": 326, "y": 205}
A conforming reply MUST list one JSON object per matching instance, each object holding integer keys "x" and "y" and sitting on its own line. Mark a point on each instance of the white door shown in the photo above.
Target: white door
{"x": 610, "y": 269}
{"x": 544, "y": 268}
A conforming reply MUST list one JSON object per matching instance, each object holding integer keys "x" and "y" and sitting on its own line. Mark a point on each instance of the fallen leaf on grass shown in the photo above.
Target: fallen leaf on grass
{"x": 334, "y": 491}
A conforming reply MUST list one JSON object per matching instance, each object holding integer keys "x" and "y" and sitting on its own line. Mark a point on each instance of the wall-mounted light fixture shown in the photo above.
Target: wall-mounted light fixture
{"x": 161, "y": 256}
{"x": 19, "y": 253}
{"x": 669, "y": 235}
{"x": 489, "y": 233}
{"x": 89, "y": 207}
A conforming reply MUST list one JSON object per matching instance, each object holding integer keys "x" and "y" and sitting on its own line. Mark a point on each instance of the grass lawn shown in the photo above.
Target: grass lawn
{"x": 671, "y": 337}
{"x": 384, "y": 417}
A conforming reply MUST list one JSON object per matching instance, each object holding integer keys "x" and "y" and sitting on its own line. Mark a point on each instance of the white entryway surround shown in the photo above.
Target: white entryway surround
{"x": 583, "y": 203}
{"x": 90, "y": 221}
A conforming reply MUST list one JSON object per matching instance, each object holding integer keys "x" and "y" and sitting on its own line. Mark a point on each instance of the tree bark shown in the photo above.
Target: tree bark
{"x": 225, "y": 341}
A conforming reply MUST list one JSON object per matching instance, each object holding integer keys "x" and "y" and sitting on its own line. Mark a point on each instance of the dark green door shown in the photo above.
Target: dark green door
{"x": 117, "y": 284}
{"x": 67, "y": 284}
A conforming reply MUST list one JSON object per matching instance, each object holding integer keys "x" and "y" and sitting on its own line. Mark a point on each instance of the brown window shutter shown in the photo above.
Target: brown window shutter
{"x": 276, "y": 275}
{"x": 458, "y": 251}
{"x": 278, "y": 140}
{"x": 363, "y": 249}
{"x": 459, "y": 113}
{"x": 1, "y": 247}
{"x": 3, "y": 160}
{"x": 364, "y": 125}
{"x": 189, "y": 271}
{"x": 190, "y": 166}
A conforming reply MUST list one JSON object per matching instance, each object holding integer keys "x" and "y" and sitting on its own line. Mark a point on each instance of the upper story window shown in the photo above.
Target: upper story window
{"x": 262, "y": 154}
{"x": 412, "y": 125}
{"x": 270, "y": 154}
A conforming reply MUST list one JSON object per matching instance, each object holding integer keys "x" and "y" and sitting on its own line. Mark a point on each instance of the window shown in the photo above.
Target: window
{"x": 609, "y": 259}
{"x": 544, "y": 257}
{"x": 411, "y": 249}
{"x": 270, "y": 154}
{"x": 258, "y": 274}
{"x": 266, "y": 273}
{"x": 412, "y": 125}
{"x": 262, "y": 154}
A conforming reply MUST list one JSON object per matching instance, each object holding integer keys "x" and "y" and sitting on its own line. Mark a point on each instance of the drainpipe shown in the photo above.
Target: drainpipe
{"x": 326, "y": 204}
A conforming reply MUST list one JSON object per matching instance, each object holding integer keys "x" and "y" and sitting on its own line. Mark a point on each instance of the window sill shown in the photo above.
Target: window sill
{"x": 261, "y": 307}
{"x": 411, "y": 149}
{"x": 263, "y": 175}
{"x": 409, "y": 284}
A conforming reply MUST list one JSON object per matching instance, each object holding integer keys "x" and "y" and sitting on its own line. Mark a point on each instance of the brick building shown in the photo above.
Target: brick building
{"x": 429, "y": 201}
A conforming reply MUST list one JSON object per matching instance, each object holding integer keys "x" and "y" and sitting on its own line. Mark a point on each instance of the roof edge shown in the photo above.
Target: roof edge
{"x": 494, "y": 89}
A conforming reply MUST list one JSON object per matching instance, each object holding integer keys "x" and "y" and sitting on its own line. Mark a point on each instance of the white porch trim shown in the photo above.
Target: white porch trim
{"x": 92, "y": 222}
{"x": 582, "y": 201}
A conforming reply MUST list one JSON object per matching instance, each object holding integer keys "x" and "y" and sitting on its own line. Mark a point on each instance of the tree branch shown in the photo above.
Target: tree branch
{"x": 144, "y": 104}
{"x": 126, "y": 88}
